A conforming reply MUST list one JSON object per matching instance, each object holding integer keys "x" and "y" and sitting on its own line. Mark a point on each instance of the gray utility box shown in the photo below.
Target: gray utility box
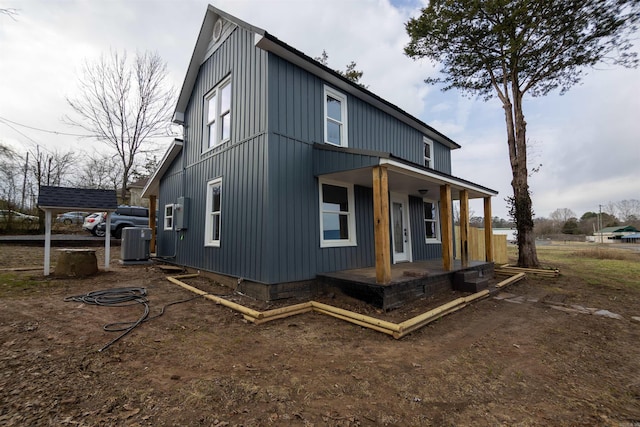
{"x": 135, "y": 244}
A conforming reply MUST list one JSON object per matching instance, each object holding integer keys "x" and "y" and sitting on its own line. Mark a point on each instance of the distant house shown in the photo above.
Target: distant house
{"x": 511, "y": 233}
{"x": 288, "y": 170}
{"x": 631, "y": 238}
{"x": 135, "y": 193}
{"x": 613, "y": 234}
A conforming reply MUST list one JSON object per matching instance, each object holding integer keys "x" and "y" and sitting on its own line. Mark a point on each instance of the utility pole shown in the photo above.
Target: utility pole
{"x": 24, "y": 182}
{"x": 600, "y": 223}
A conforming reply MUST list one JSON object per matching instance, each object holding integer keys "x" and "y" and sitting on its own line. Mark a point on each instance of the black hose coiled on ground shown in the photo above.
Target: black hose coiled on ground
{"x": 121, "y": 297}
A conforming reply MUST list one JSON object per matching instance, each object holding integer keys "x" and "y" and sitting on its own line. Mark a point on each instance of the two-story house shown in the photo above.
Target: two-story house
{"x": 288, "y": 170}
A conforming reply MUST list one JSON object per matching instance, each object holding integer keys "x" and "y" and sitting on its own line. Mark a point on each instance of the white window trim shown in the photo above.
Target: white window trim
{"x": 328, "y": 91}
{"x": 438, "y": 238}
{"x": 168, "y": 219}
{"x": 352, "y": 241}
{"x": 209, "y": 215}
{"x": 427, "y": 160}
{"x": 205, "y": 115}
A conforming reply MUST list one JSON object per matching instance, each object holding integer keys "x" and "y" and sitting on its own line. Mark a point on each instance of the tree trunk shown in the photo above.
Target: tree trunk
{"x": 521, "y": 209}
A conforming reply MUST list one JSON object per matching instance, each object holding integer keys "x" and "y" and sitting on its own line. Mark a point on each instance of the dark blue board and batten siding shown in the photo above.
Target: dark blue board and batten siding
{"x": 270, "y": 205}
{"x": 421, "y": 250}
{"x": 239, "y": 58}
{"x": 241, "y": 163}
{"x": 294, "y": 218}
{"x": 296, "y": 105}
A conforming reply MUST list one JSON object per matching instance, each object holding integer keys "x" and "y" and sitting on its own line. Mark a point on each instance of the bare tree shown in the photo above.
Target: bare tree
{"x": 10, "y": 12}
{"x": 9, "y": 171}
{"x": 628, "y": 210}
{"x": 100, "y": 171}
{"x": 562, "y": 215}
{"x": 52, "y": 168}
{"x": 124, "y": 104}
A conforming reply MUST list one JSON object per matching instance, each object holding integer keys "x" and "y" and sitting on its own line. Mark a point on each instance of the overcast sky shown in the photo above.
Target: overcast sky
{"x": 588, "y": 141}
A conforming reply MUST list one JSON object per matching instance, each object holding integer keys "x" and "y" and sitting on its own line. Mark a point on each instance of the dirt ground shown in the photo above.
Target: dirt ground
{"x": 511, "y": 361}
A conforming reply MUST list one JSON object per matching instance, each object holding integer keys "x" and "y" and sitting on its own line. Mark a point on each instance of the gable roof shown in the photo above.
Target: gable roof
{"x": 140, "y": 183}
{"x": 153, "y": 184}
{"x": 270, "y": 43}
{"x": 68, "y": 198}
{"x": 619, "y": 229}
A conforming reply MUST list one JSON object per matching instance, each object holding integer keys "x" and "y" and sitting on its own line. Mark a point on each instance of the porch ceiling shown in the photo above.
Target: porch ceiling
{"x": 410, "y": 180}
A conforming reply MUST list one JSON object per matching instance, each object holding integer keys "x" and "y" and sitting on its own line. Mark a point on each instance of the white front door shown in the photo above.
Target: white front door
{"x": 400, "y": 232}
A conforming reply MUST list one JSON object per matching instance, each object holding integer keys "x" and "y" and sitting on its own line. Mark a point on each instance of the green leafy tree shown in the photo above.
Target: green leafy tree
{"x": 571, "y": 226}
{"x": 350, "y": 71}
{"x": 510, "y": 48}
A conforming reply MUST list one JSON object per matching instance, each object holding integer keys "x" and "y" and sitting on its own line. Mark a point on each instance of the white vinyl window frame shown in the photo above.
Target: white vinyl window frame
{"x": 431, "y": 222}
{"x": 168, "y": 216}
{"x": 350, "y": 215}
{"x": 217, "y": 115}
{"x": 341, "y": 123}
{"x": 213, "y": 220}
{"x": 427, "y": 149}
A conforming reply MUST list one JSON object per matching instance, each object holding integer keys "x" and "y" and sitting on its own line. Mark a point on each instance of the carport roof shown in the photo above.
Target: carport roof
{"x": 68, "y": 198}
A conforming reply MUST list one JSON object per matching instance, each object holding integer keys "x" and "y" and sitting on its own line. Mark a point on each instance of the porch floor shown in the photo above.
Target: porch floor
{"x": 409, "y": 281}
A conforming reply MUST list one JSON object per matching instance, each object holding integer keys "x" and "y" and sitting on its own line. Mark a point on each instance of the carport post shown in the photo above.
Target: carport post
{"x": 47, "y": 241}
{"x": 107, "y": 242}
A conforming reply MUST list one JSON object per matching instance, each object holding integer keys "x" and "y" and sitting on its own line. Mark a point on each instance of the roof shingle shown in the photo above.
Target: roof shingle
{"x": 76, "y": 198}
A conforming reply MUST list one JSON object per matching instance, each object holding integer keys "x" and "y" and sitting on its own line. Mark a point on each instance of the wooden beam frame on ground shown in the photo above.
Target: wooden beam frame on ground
{"x": 397, "y": 330}
{"x": 381, "y": 231}
{"x": 446, "y": 215}
{"x": 464, "y": 227}
{"x": 488, "y": 230}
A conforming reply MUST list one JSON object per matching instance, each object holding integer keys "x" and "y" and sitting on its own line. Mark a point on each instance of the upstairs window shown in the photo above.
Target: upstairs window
{"x": 168, "y": 217}
{"x": 431, "y": 223}
{"x": 337, "y": 217}
{"x": 428, "y": 151}
{"x": 213, "y": 221}
{"x": 335, "y": 117}
{"x": 217, "y": 112}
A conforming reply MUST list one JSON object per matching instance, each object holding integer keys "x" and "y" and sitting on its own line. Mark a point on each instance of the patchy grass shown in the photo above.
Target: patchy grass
{"x": 15, "y": 283}
{"x": 601, "y": 265}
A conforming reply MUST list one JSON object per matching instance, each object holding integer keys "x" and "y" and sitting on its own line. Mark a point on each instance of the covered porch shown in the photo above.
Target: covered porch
{"x": 409, "y": 281}
{"x": 394, "y": 180}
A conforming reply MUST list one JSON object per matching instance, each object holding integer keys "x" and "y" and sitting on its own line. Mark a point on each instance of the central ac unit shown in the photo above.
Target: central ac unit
{"x": 135, "y": 244}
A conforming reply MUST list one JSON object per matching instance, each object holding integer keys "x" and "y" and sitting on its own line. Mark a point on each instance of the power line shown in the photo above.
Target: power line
{"x": 7, "y": 121}
{"x": 26, "y": 136}
{"x": 2, "y": 119}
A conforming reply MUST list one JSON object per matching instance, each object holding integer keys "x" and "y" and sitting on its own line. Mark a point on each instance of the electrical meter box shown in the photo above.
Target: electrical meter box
{"x": 181, "y": 213}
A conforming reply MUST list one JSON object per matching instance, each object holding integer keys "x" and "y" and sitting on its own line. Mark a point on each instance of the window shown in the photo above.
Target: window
{"x": 428, "y": 151}
{"x": 168, "y": 217}
{"x": 213, "y": 222}
{"x": 431, "y": 226}
{"x": 337, "y": 217}
{"x": 335, "y": 117}
{"x": 217, "y": 110}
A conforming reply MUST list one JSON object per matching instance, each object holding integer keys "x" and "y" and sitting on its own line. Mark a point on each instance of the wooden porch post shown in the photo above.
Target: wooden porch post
{"x": 464, "y": 227}
{"x": 446, "y": 215}
{"x": 488, "y": 230}
{"x": 152, "y": 222}
{"x": 381, "y": 224}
